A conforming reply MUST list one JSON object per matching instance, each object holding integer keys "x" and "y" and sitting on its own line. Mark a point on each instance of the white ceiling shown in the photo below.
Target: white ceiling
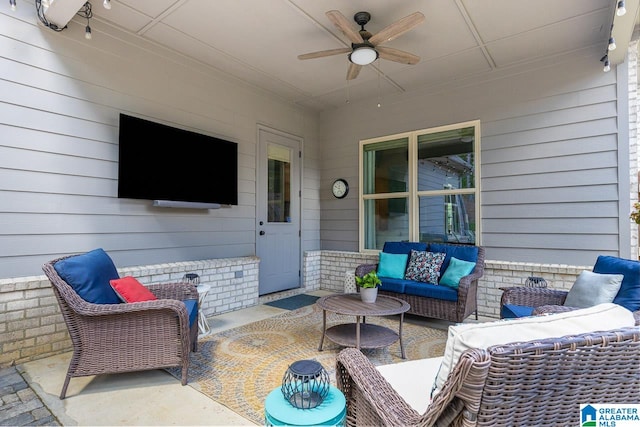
{"x": 258, "y": 41}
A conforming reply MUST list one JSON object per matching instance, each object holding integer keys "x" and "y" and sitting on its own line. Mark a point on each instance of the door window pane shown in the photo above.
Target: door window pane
{"x": 385, "y": 220}
{"x": 386, "y": 167}
{"x": 449, "y": 218}
{"x": 279, "y": 184}
{"x": 446, "y": 160}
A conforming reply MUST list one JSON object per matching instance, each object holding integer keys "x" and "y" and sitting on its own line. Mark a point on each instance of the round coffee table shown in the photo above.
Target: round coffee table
{"x": 361, "y": 334}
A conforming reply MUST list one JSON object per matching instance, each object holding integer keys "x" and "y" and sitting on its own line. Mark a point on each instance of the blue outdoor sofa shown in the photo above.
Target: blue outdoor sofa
{"x": 452, "y": 303}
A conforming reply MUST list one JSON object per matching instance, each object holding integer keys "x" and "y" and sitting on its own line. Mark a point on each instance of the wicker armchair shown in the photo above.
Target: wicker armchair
{"x": 531, "y": 383}
{"x": 112, "y": 338}
{"x": 545, "y": 301}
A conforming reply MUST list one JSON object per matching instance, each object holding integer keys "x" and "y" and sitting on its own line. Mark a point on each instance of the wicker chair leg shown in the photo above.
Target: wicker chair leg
{"x": 185, "y": 373}
{"x": 194, "y": 337}
{"x": 63, "y": 393}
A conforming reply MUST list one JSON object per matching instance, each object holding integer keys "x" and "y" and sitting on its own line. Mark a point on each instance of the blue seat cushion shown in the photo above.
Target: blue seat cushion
{"x": 512, "y": 311}
{"x": 430, "y": 290}
{"x": 192, "y": 310}
{"x": 89, "y": 275}
{"x": 393, "y": 285}
{"x": 629, "y": 293}
{"x": 462, "y": 252}
{"x": 403, "y": 247}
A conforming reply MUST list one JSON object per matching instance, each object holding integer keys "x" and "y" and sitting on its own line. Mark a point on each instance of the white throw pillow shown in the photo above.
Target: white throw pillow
{"x": 483, "y": 335}
{"x": 412, "y": 380}
{"x": 592, "y": 289}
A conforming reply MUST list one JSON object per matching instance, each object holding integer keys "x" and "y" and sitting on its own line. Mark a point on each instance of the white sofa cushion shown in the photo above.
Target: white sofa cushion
{"x": 462, "y": 337}
{"x": 412, "y": 380}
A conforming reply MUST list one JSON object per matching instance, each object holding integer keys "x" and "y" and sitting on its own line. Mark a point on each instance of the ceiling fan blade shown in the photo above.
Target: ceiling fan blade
{"x": 323, "y": 53}
{"x": 353, "y": 71}
{"x": 397, "y": 55}
{"x": 343, "y": 24}
{"x": 397, "y": 28}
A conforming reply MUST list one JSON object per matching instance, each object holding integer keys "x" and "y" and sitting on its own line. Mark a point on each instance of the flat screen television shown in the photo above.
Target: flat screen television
{"x": 160, "y": 162}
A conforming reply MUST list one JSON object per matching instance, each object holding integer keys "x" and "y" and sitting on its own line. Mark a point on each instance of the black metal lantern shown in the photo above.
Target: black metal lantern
{"x": 305, "y": 384}
{"x": 191, "y": 278}
{"x": 535, "y": 282}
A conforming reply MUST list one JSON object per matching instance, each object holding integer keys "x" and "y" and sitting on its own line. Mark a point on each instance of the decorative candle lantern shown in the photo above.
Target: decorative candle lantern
{"x": 305, "y": 384}
{"x": 535, "y": 282}
{"x": 191, "y": 278}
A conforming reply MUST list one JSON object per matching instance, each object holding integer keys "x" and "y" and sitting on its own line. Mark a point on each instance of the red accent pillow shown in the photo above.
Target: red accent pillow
{"x": 130, "y": 290}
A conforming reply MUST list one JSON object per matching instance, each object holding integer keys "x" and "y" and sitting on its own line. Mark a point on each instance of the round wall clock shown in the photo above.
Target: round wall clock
{"x": 340, "y": 188}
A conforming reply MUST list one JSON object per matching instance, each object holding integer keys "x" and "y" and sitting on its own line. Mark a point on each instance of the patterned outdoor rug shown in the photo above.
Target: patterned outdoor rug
{"x": 240, "y": 367}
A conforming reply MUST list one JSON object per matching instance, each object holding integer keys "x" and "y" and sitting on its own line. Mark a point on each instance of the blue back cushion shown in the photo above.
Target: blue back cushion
{"x": 629, "y": 293}
{"x": 403, "y": 247}
{"x": 192, "y": 310}
{"x": 464, "y": 253}
{"x": 89, "y": 275}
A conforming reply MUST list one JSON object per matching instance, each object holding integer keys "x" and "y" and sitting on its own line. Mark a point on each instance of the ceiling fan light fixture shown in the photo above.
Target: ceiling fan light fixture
{"x": 363, "y": 55}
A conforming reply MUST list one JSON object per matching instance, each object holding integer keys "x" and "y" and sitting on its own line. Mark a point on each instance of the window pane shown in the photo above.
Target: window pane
{"x": 448, "y": 219}
{"x": 385, "y": 220}
{"x": 446, "y": 160}
{"x": 279, "y": 185}
{"x": 386, "y": 167}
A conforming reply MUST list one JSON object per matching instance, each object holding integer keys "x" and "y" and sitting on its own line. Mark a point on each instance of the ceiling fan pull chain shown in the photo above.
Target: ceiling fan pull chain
{"x": 348, "y": 94}
{"x": 379, "y": 95}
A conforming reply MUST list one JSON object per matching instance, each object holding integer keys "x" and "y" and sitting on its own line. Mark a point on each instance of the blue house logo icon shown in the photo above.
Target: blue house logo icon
{"x": 588, "y": 416}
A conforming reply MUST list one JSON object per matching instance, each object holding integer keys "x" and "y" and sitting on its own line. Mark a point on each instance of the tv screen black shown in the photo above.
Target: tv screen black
{"x": 160, "y": 162}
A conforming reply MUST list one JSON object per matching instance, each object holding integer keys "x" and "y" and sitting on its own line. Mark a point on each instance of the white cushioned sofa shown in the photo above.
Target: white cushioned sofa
{"x": 528, "y": 371}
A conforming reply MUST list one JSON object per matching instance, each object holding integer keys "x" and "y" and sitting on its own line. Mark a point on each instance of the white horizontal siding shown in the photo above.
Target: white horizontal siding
{"x": 60, "y": 100}
{"x": 550, "y": 148}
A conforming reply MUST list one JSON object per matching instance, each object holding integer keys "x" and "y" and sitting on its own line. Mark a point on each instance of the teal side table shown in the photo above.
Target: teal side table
{"x": 331, "y": 412}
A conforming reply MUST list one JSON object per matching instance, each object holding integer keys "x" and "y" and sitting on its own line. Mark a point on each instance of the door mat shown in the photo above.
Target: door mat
{"x": 295, "y": 302}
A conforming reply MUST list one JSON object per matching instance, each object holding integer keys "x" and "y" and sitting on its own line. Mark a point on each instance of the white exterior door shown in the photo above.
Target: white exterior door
{"x": 278, "y": 211}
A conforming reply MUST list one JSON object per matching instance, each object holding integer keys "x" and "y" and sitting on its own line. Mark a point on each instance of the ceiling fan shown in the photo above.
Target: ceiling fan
{"x": 365, "y": 47}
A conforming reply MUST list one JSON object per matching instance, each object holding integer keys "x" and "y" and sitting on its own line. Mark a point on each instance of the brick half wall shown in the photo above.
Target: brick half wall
{"x": 333, "y": 266}
{"x": 31, "y": 326}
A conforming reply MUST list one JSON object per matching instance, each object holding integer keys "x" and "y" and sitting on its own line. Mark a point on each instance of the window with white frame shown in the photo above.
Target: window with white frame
{"x": 421, "y": 186}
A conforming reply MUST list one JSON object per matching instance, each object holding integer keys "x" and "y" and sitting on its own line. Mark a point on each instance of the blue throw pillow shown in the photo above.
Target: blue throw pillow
{"x": 462, "y": 252}
{"x": 629, "y": 293}
{"x": 89, "y": 275}
{"x": 392, "y": 265}
{"x": 457, "y": 270}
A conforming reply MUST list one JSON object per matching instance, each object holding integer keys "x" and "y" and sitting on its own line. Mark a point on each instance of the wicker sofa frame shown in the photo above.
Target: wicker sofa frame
{"x": 454, "y": 311}
{"x": 545, "y": 301}
{"x": 532, "y": 383}
{"x": 114, "y": 338}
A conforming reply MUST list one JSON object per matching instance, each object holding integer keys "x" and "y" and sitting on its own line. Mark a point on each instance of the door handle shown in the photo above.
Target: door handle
{"x": 262, "y": 232}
